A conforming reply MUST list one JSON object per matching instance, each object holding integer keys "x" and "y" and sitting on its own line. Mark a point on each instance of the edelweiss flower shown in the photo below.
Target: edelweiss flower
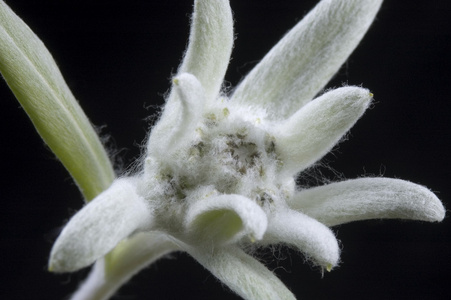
{"x": 218, "y": 176}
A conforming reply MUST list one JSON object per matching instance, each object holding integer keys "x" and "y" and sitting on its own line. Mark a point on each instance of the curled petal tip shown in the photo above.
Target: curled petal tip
{"x": 181, "y": 115}
{"x": 226, "y": 218}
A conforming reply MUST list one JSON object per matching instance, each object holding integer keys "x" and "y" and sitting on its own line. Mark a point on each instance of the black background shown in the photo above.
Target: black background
{"x": 118, "y": 56}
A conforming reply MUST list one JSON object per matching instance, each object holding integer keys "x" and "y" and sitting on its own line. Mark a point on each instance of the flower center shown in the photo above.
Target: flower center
{"x": 227, "y": 156}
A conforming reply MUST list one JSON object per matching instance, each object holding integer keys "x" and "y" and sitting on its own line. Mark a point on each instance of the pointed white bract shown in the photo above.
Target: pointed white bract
{"x": 369, "y": 198}
{"x": 207, "y": 57}
{"x": 218, "y": 177}
{"x": 210, "y": 45}
{"x": 242, "y": 273}
{"x": 306, "y": 234}
{"x": 129, "y": 257}
{"x": 312, "y": 131}
{"x": 96, "y": 229}
{"x": 302, "y": 63}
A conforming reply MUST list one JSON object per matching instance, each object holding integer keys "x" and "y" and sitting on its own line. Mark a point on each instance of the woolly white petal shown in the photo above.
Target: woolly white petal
{"x": 242, "y": 273}
{"x": 316, "y": 241}
{"x": 314, "y": 129}
{"x": 36, "y": 81}
{"x": 127, "y": 259}
{"x": 225, "y": 218}
{"x": 99, "y": 226}
{"x": 301, "y": 64}
{"x": 210, "y": 44}
{"x": 369, "y": 198}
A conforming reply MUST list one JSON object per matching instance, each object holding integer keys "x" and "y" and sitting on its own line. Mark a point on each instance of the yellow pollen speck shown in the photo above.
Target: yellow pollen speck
{"x": 252, "y": 238}
{"x": 226, "y": 112}
{"x": 329, "y": 267}
{"x": 200, "y": 132}
{"x": 371, "y": 95}
{"x": 175, "y": 81}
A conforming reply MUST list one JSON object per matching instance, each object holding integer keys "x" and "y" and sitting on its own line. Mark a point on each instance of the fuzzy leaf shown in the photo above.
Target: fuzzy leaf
{"x": 37, "y": 83}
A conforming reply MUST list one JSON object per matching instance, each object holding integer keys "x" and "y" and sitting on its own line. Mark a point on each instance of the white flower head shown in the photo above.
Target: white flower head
{"x": 218, "y": 176}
